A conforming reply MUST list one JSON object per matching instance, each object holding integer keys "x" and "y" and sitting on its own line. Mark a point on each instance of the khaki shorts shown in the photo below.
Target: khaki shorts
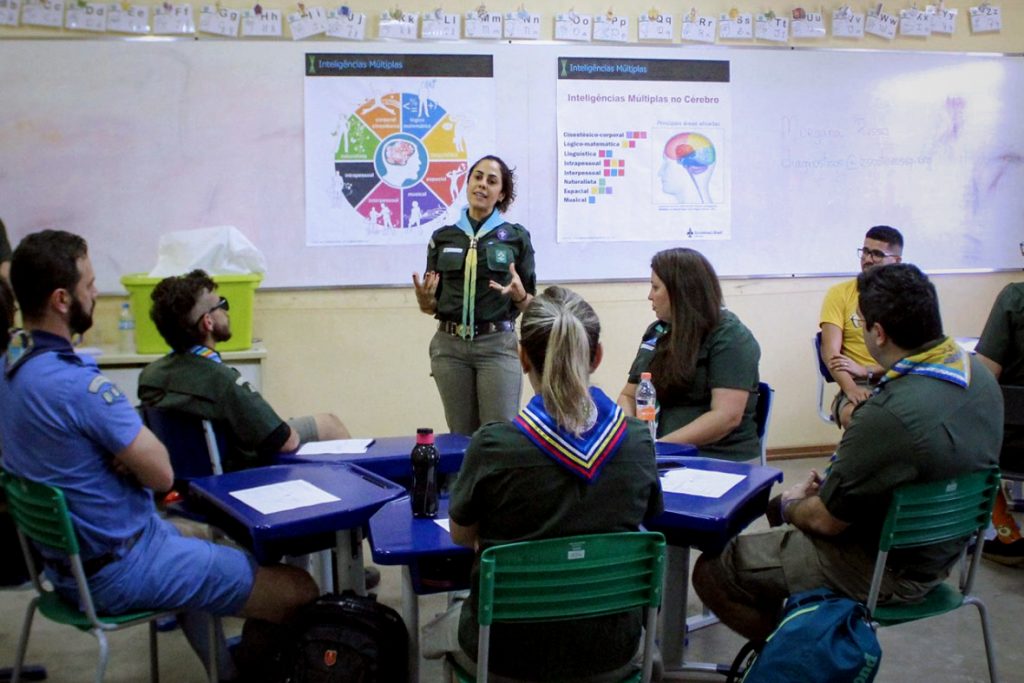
{"x": 841, "y": 401}
{"x": 765, "y": 568}
{"x": 305, "y": 426}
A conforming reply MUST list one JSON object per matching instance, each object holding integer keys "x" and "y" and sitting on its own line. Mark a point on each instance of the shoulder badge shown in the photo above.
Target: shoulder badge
{"x": 105, "y": 388}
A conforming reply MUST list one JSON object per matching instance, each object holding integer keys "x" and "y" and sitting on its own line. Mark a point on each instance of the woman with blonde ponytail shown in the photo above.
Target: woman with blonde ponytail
{"x": 571, "y": 462}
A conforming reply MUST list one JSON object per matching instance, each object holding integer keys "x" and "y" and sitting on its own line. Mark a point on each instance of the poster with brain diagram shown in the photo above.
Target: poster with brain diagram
{"x": 389, "y": 140}
{"x": 643, "y": 149}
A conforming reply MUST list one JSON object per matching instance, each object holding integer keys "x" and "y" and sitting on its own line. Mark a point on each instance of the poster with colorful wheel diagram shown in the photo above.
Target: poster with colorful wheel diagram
{"x": 389, "y": 140}
{"x": 643, "y": 149}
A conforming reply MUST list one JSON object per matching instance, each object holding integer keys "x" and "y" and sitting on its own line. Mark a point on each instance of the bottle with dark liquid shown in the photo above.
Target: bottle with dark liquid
{"x": 424, "y": 474}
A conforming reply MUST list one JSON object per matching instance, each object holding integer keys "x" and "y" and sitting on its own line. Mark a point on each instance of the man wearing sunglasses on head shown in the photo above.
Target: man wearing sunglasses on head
{"x": 842, "y": 341}
{"x": 193, "y": 319}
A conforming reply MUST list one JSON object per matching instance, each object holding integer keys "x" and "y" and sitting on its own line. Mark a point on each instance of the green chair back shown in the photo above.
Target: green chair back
{"x": 40, "y": 512}
{"x": 570, "y": 578}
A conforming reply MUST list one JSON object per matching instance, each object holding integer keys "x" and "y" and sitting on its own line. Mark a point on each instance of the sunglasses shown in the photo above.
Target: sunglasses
{"x": 222, "y": 303}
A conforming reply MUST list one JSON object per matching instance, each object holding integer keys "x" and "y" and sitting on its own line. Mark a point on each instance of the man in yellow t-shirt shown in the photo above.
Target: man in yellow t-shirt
{"x": 842, "y": 341}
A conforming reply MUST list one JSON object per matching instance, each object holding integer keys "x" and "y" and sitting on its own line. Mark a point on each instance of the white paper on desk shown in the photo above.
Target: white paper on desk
{"x": 335, "y": 447}
{"x": 694, "y": 482}
{"x": 287, "y": 495}
{"x": 443, "y": 523}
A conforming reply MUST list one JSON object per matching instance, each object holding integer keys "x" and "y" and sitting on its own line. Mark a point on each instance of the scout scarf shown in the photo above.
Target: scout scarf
{"x": 469, "y": 272}
{"x": 583, "y": 455}
{"x": 946, "y": 361}
{"x": 205, "y": 352}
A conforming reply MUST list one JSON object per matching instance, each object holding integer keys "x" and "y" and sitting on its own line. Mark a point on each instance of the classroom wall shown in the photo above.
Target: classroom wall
{"x": 362, "y": 353}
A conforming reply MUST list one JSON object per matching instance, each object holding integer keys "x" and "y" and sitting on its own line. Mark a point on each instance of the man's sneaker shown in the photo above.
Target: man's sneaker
{"x": 1010, "y": 554}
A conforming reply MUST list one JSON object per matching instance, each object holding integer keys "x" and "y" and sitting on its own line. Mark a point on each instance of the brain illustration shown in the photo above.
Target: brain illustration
{"x": 398, "y": 152}
{"x": 692, "y": 151}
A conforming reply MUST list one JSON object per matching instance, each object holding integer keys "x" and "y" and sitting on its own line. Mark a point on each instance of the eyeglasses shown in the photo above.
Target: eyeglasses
{"x": 221, "y": 303}
{"x": 857, "y": 321}
{"x": 873, "y": 254}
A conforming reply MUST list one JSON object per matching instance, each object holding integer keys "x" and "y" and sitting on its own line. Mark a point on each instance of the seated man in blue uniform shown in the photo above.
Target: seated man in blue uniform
{"x": 936, "y": 413}
{"x": 193, "y": 319}
{"x": 63, "y": 423}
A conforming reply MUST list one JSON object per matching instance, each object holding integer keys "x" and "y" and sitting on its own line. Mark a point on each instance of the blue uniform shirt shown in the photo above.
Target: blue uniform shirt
{"x": 61, "y": 422}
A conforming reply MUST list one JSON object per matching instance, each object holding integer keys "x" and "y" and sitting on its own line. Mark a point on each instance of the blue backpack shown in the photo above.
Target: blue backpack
{"x": 822, "y": 637}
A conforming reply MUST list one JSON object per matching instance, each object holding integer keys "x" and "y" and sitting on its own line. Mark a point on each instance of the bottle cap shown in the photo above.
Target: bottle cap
{"x": 644, "y": 375}
{"x": 424, "y": 435}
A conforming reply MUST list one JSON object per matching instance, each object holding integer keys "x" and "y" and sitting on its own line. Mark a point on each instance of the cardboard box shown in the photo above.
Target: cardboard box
{"x": 239, "y": 290}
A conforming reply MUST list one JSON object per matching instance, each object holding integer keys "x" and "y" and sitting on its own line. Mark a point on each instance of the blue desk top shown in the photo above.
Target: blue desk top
{"x": 389, "y": 456}
{"x": 302, "y": 530}
{"x": 664, "y": 448}
{"x": 396, "y": 537}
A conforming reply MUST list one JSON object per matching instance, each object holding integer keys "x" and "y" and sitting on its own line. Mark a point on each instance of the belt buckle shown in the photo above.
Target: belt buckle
{"x": 460, "y": 329}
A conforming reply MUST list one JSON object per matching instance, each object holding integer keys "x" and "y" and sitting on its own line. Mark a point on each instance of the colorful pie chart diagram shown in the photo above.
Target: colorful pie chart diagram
{"x": 400, "y": 161}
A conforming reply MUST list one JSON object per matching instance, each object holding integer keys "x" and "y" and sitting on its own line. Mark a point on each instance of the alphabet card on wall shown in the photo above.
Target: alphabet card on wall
{"x": 310, "y": 21}
{"x": 736, "y": 26}
{"x": 847, "y": 24}
{"x": 86, "y": 16}
{"x": 127, "y": 19}
{"x": 43, "y": 13}
{"x": 9, "y": 10}
{"x": 259, "y": 22}
{"x": 398, "y": 24}
{"x": 652, "y": 26}
{"x": 943, "y": 20}
{"x": 522, "y": 25}
{"x": 439, "y": 25}
{"x": 771, "y": 27}
{"x": 699, "y": 29}
{"x": 573, "y": 26}
{"x": 881, "y": 24}
{"x": 346, "y": 24}
{"x": 986, "y": 18}
{"x": 915, "y": 22}
{"x": 221, "y": 21}
{"x": 808, "y": 25}
{"x": 482, "y": 24}
{"x": 611, "y": 28}
{"x": 171, "y": 19}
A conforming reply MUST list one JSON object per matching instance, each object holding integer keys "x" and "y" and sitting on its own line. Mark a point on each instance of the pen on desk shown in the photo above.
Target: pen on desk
{"x": 374, "y": 479}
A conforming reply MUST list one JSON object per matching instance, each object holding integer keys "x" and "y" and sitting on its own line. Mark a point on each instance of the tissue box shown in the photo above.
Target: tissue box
{"x": 239, "y": 290}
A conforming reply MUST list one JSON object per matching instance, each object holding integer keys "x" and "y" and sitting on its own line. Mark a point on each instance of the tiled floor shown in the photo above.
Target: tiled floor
{"x": 942, "y": 650}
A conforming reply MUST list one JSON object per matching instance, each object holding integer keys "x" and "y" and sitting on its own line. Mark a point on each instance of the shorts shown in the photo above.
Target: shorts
{"x": 167, "y": 571}
{"x": 305, "y": 426}
{"x": 764, "y": 568}
{"x": 840, "y": 402}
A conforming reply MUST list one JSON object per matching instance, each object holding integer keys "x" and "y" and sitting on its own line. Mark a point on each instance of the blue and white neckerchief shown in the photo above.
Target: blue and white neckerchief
{"x": 947, "y": 361}
{"x": 582, "y": 455}
{"x": 205, "y": 352}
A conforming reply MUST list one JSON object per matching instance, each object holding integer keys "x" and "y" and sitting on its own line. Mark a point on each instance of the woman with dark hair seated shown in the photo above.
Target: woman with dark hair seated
{"x": 515, "y": 485}
{"x": 702, "y": 360}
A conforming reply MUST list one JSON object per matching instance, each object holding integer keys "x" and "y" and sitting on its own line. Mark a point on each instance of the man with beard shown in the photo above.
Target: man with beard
{"x": 193, "y": 318}
{"x": 64, "y": 424}
{"x": 842, "y": 342}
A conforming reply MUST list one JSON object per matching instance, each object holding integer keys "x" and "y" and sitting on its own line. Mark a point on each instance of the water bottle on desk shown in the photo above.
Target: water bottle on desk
{"x": 126, "y": 330}
{"x": 647, "y": 403}
{"x": 425, "y": 459}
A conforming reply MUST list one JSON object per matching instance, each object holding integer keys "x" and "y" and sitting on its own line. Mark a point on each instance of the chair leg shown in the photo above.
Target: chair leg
{"x": 215, "y": 634}
{"x": 154, "y": 654}
{"x": 986, "y": 632}
{"x": 101, "y": 666}
{"x": 26, "y": 627}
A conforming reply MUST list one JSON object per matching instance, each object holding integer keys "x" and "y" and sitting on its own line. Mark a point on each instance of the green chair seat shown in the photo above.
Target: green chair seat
{"x": 61, "y": 611}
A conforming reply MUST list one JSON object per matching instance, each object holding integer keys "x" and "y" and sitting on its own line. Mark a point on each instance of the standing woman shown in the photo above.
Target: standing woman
{"x": 479, "y": 277}
{"x": 570, "y": 463}
{"x": 702, "y": 359}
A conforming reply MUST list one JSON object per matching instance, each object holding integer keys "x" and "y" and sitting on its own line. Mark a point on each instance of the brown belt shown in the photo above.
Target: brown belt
{"x": 479, "y": 329}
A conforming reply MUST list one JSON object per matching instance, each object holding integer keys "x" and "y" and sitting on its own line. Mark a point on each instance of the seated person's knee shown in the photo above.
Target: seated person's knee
{"x": 328, "y": 427}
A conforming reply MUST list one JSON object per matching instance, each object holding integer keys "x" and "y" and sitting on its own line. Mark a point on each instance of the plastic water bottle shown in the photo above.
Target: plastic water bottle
{"x": 126, "y": 330}
{"x": 424, "y": 474}
{"x": 647, "y": 403}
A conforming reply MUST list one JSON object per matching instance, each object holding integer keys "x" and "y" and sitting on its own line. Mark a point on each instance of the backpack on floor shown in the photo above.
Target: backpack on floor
{"x": 349, "y": 638}
{"x": 822, "y": 637}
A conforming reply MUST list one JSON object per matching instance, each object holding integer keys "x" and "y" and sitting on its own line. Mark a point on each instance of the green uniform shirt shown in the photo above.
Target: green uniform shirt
{"x": 727, "y": 359}
{"x": 215, "y": 391}
{"x": 913, "y": 429}
{"x": 517, "y": 493}
{"x": 1003, "y": 341}
{"x": 506, "y": 244}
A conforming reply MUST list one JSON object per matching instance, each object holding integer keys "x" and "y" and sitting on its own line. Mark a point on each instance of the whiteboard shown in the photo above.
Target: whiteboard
{"x": 122, "y": 141}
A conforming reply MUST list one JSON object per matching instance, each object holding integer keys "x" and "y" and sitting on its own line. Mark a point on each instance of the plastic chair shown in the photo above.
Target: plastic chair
{"x": 763, "y": 416}
{"x": 824, "y": 377}
{"x": 923, "y": 514}
{"x": 41, "y": 514}
{"x": 564, "y": 578}
{"x": 192, "y": 443}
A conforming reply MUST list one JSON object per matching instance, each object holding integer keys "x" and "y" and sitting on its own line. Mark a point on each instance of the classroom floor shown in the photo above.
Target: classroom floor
{"x": 945, "y": 649}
